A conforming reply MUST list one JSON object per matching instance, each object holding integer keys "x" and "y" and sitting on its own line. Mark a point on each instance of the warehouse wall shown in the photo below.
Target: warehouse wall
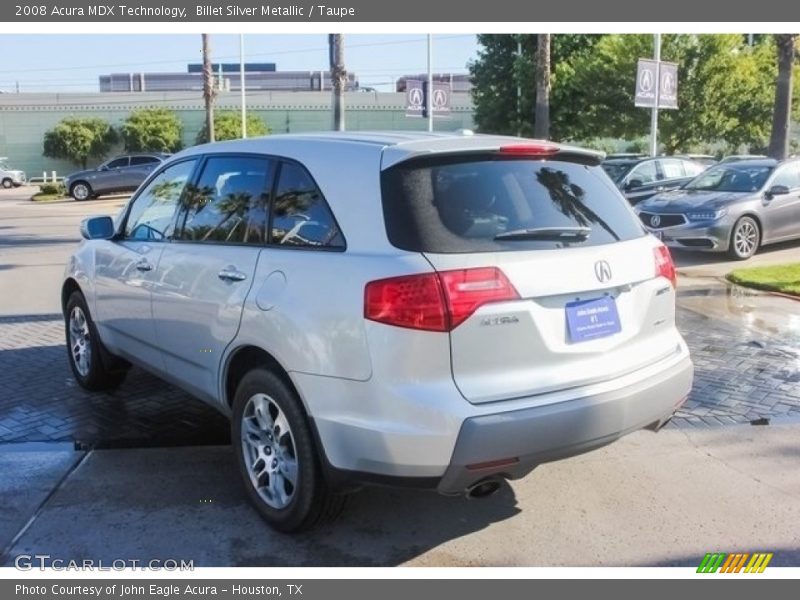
{"x": 24, "y": 118}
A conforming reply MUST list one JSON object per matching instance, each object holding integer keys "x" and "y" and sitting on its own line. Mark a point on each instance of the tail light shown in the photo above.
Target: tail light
{"x": 664, "y": 265}
{"x": 435, "y": 301}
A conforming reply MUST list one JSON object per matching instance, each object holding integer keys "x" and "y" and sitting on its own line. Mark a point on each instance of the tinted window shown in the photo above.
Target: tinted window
{"x": 118, "y": 162}
{"x": 731, "y": 177}
{"x": 441, "y": 205}
{"x": 788, "y": 176}
{"x": 300, "y": 215}
{"x": 151, "y": 215}
{"x": 672, "y": 169}
{"x": 143, "y": 160}
{"x": 645, "y": 173}
{"x": 617, "y": 170}
{"x": 229, "y": 202}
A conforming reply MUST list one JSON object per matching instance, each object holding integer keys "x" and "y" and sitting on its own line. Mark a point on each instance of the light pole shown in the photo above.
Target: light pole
{"x": 429, "y": 95}
{"x": 242, "y": 85}
{"x": 654, "y": 110}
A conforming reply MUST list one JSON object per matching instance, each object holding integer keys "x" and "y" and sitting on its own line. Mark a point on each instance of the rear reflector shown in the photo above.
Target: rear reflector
{"x": 664, "y": 265}
{"x": 493, "y": 464}
{"x": 530, "y": 149}
{"x": 435, "y": 301}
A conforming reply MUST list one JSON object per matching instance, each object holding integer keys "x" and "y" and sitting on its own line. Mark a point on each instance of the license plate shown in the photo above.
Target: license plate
{"x": 592, "y": 319}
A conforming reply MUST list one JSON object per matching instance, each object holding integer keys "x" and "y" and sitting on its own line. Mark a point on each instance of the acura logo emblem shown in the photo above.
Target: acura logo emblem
{"x": 655, "y": 220}
{"x": 602, "y": 270}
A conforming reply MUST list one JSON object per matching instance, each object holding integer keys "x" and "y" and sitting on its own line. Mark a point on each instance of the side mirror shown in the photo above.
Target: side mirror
{"x": 777, "y": 190}
{"x": 633, "y": 184}
{"x": 104, "y": 168}
{"x": 97, "y": 228}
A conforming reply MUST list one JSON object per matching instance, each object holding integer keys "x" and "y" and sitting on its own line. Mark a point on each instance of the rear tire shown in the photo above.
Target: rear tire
{"x": 745, "y": 239}
{"x": 7, "y": 183}
{"x": 277, "y": 456}
{"x": 80, "y": 190}
{"x": 93, "y": 366}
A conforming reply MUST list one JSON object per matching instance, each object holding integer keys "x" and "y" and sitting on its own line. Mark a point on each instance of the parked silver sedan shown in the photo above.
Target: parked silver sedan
{"x": 734, "y": 207}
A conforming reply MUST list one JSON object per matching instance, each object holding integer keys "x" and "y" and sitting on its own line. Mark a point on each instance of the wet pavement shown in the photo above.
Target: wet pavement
{"x": 743, "y": 374}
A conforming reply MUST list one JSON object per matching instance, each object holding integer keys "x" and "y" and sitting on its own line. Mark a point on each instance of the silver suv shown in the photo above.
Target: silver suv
{"x": 443, "y": 310}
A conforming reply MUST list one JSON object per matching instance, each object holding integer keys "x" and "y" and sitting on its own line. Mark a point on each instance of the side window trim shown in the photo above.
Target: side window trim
{"x": 282, "y": 160}
{"x": 124, "y": 222}
{"x": 182, "y": 211}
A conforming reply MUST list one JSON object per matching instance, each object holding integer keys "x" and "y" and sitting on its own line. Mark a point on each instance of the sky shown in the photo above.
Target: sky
{"x": 72, "y": 63}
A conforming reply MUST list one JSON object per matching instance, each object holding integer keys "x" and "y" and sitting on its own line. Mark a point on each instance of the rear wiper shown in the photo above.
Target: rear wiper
{"x": 546, "y": 233}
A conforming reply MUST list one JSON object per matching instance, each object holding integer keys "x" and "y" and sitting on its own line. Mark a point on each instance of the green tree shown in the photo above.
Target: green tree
{"x": 504, "y": 82}
{"x": 76, "y": 140}
{"x": 724, "y": 90}
{"x": 228, "y": 126}
{"x": 152, "y": 130}
{"x": 782, "y": 109}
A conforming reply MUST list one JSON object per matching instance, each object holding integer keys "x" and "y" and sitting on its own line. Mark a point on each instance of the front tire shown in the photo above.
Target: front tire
{"x": 8, "y": 184}
{"x": 80, "y": 191}
{"x": 745, "y": 239}
{"x": 93, "y": 367}
{"x": 277, "y": 456}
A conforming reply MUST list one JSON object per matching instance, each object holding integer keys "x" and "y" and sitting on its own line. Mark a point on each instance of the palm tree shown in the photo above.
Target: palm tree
{"x": 541, "y": 122}
{"x": 569, "y": 199}
{"x": 782, "y": 112}
{"x": 208, "y": 87}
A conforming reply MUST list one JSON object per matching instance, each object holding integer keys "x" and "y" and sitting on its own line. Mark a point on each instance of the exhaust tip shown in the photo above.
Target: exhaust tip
{"x": 484, "y": 488}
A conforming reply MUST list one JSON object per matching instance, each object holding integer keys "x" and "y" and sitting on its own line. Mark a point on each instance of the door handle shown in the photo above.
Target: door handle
{"x": 143, "y": 265}
{"x": 231, "y": 274}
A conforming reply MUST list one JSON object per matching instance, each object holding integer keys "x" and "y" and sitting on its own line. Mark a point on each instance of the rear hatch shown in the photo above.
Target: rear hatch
{"x": 551, "y": 281}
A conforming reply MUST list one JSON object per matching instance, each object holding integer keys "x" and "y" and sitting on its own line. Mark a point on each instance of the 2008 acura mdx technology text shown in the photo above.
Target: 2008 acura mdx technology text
{"x": 441, "y": 310}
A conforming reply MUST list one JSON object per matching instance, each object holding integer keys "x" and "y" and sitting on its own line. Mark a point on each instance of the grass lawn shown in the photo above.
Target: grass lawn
{"x": 777, "y": 278}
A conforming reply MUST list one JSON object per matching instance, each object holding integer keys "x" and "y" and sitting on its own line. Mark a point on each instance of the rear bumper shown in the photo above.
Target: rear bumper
{"x": 536, "y": 435}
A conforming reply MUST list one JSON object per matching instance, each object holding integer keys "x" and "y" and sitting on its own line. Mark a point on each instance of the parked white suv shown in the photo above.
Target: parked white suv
{"x": 11, "y": 177}
{"x": 443, "y": 310}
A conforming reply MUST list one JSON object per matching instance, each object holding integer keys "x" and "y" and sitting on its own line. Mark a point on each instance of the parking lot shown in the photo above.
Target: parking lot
{"x": 155, "y": 454}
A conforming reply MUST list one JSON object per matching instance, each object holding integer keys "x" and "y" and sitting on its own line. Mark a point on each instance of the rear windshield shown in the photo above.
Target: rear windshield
{"x": 456, "y": 205}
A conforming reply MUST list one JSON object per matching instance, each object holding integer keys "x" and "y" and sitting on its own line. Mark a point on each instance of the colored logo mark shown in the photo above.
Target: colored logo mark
{"x": 735, "y": 563}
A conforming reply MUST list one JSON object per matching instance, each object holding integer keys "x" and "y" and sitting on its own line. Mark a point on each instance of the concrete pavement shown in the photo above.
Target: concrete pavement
{"x": 35, "y": 239}
{"x": 648, "y": 500}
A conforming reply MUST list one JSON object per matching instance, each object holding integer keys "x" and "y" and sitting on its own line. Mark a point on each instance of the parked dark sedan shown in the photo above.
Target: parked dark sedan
{"x": 734, "y": 207}
{"x": 120, "y": 174}
{"x": 638, "y": 178}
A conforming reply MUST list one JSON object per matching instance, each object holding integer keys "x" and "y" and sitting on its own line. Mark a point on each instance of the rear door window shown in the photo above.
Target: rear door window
{"x": 229, "y": 202}
{"x": 457, "y": 205}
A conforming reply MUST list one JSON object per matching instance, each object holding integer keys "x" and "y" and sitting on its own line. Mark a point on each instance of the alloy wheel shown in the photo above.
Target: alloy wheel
{"x": 80, "y": 341}
{"x": 269, "y": 451}
{"x": 746, "y": 238}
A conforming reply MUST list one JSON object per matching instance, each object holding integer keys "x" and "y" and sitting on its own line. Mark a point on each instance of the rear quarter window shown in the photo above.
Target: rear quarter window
{"x": 458, "y": 205}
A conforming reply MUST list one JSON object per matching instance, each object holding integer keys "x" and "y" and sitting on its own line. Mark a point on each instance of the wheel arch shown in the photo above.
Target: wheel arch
{"x": 752, "y": 215}
{"x": 69, "y": 287}
{"x": 243, "y": 359}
